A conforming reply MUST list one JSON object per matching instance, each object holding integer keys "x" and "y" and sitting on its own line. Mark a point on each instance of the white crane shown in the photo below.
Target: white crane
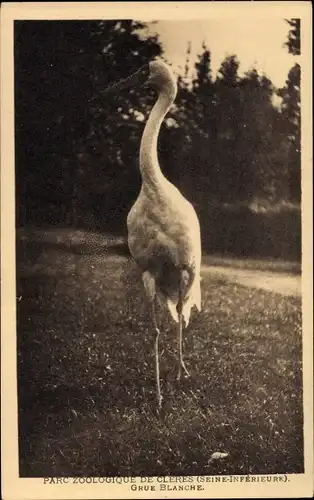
{"x": 163, "y": 228}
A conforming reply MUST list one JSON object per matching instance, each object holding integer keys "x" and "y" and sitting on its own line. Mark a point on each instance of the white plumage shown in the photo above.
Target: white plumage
{"x": 163, "y": 228}
{"x": 164, "y": 240}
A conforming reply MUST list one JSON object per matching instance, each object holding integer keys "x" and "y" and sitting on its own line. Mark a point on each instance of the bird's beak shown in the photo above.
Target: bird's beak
{"x": 138, "y": 78}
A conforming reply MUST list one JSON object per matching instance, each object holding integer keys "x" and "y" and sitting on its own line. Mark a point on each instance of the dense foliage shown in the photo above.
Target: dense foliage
{"x": 228, "y": 139}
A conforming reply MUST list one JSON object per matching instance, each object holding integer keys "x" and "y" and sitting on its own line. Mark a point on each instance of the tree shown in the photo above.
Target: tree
{"x": 294, "y": 37}
{"x": 291, "y": 114}
{"x": 230, "y": 171}
{"x": 263, "y": 139}
{"x": 249, "y": 146}
{"x": 73, "y": 149}
{"x": 191, "y": 129}
{"x": 204, "y": 129}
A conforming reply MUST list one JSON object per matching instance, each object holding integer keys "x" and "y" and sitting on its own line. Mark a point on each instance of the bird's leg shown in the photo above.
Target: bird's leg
{"x": 180, "y": 328}
{"x": 157, "y": 333}
{"x": 150, "y": 288}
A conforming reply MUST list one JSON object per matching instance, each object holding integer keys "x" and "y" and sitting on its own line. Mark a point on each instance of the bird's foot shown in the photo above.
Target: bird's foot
{"x": 159, "y": 401}
{"x": 182, "y": 365}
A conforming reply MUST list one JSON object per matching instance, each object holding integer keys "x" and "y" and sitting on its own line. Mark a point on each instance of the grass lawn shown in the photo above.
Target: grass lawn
{"x": 87, "y": 403}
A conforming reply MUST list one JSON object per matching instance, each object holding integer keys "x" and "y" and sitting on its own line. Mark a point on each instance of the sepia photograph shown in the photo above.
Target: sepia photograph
{"x": 158, "y": 228}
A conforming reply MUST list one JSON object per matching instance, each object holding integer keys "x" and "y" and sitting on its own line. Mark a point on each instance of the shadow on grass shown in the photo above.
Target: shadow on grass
{"x": 30, "y": 249}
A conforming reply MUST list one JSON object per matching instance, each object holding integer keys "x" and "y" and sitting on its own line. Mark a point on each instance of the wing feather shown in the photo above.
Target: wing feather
{"x": 164, "y": 237}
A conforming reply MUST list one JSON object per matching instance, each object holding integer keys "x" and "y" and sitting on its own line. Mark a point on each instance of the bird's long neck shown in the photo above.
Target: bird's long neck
{"x": 149, "y": 165}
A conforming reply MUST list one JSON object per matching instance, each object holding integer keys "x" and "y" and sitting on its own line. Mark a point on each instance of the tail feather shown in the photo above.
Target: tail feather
{"x": 197, "y": 295}
{"x": 173, "y": 310}
{"x": 194, "y": 299}
{"x": 186, "y": 311}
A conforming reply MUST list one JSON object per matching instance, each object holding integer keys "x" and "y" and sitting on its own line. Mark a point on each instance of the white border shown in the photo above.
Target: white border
{"x": 13, "y": 487}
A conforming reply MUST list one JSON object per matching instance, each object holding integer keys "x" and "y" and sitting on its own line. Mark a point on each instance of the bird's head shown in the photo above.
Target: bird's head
{"x": 156, "y": 74}
{"x": 160, "y": 76}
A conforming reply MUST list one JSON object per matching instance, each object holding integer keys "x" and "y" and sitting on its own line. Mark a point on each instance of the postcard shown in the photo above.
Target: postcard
{"x": 156, "y": 250}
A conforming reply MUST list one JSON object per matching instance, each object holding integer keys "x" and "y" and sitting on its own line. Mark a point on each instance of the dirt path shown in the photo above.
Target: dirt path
{"x": 283, "y": 283}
